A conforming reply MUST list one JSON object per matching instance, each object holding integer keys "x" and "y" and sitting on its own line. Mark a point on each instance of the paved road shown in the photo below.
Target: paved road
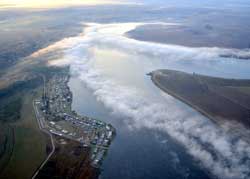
{"x": 40, "y": 124}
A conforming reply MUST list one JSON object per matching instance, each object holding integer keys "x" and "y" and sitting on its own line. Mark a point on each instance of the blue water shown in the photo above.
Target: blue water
{"x": 136, "y": 154}
{"x": 146, "y": 153}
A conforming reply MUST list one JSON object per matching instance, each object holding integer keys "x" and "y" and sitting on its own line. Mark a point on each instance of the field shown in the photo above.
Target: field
{"x": 245, "y": 90}
{"x": 70, "y": 160}
{"x": 25, "y": 143}
{"x": 6, "y": 144}
{"x": 217, "y": 98}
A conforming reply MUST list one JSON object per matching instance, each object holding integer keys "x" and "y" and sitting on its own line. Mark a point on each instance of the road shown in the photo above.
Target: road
{"x": 41, "y": 127}
{"x": 46, "y": 129}
{"x": 40, "y": 124}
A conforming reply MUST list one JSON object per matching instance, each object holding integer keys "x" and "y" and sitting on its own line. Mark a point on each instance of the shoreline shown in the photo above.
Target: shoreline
{"x": 93, "y": 135}
{"x": 234, "y": 127}
{"x": 190, "y": 104}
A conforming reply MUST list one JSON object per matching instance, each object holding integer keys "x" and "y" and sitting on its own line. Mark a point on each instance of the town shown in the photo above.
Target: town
{"x": 55, "y": 116}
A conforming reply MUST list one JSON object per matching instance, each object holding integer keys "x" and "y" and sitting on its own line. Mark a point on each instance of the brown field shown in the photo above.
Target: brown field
{"x": 70, "y": 160}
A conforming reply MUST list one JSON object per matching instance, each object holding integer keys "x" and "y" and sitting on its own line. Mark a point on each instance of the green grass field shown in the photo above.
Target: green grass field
{"x": 23, "y": 147}
{"x": 29, "y": 148}
{"x": 6, "y": 144}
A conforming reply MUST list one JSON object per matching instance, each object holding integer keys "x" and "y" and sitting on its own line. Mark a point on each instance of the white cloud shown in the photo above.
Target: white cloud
{"x": 214, "y": 148}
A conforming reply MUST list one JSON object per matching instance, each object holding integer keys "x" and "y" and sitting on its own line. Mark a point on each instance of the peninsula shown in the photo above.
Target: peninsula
{"x": 78, "y": 143}
{"x": 217, "y": 98}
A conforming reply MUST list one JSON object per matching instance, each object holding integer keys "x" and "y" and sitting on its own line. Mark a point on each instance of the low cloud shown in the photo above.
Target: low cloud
{"x": 225, "y": 155}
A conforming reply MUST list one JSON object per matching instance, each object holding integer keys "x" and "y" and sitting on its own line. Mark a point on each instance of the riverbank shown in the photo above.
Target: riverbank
{"x": 79, "y": 142}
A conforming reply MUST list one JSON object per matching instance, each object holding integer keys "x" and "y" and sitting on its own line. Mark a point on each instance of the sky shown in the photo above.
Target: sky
{"x": 54, "y": 3}
{"x": 65, "y": 3}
